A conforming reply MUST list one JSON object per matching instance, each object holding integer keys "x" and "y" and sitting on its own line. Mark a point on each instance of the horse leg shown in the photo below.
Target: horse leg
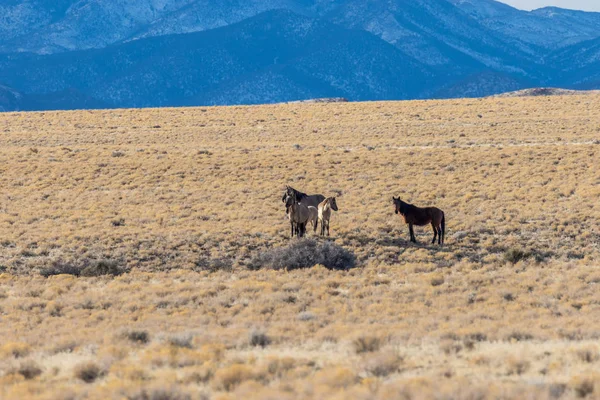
{"x": 412, "y": 233}
{"x": 439, "y": 236}
{"x": 327, "y": 228}
{"x": 435, "y": 232}
{"x": 443, "y": 228}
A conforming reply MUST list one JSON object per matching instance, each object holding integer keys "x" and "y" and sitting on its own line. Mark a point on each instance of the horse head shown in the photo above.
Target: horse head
{"x": 333, "y": 204}
{"x": 287, "y": 193}
{"x": 397, "y": 205}
{"x": 289, "y": 200}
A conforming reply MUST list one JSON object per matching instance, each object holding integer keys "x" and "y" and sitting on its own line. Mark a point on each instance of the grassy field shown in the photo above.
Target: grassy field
{"x": 127, "y": 237}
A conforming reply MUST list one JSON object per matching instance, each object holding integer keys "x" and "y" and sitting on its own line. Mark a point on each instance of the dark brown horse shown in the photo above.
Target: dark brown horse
{"x": 414, "y": 215}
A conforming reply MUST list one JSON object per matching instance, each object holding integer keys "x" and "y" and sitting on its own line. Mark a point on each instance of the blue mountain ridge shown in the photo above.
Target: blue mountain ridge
{"x": 296, "y": 49}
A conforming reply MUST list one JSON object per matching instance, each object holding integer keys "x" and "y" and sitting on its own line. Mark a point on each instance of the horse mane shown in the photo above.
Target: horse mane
{"x": 299, "y": 195}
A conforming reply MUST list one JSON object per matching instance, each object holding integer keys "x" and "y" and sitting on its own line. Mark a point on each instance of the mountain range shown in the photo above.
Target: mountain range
{"x": 70, "y": 54}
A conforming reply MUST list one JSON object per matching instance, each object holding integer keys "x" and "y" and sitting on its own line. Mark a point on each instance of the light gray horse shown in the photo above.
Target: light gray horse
{"x": 324, "y": 211}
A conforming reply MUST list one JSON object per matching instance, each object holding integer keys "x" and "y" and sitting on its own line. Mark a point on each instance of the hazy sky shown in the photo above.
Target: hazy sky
{"x": 588, "y": 5}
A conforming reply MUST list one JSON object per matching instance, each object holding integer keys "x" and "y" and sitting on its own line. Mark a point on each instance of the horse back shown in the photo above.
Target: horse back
{"x": 312, "y": 200}
{"x": 423, "y": 216}
{"x": 435, "y": 214}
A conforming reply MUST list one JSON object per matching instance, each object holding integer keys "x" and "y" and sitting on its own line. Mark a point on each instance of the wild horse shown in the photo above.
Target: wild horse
{"x": 292, "y": 195}
{"x": 414, "y": 215}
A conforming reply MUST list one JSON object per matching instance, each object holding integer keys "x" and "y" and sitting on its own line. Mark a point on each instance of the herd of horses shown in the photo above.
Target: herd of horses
{"x": 302, "y": 209}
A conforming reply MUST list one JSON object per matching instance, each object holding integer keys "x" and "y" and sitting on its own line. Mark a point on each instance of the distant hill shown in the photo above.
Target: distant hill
{"x": 10, "y": 99}
{"x": 535, "y": 92}
{"x": 579, "y": 65}
{"x": 64, "y": 25}
{"x": 103, "y": 53}
{"x": 69, "y": 99}
{"x": 267, "y": 58}
{"x": 548, "y": 28}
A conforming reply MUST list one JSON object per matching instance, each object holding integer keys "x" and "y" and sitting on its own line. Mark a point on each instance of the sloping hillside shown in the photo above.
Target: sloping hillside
{"x": 236, "y": 52}
{"x": 579, "y": 65}
{"x": 317, "y": 58}
{"x": 548, "y": 28}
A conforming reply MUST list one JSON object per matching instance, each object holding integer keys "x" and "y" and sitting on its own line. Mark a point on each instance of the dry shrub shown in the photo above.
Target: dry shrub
{"x": 584, "y": 385}
{"x": 178, "y": 357}
{"x": 229, "y": 377}
{"x": 214, "y": 264}
{"x": 514, "y": 255}
{"x": 517, "y": 366}
{"x": 450, "y": 346}
{"x": 182, "y": 341}
{"x": 88, "y": 371}
{"x": 279, "y": 366}
{"x": 518, "y": 336}
{"x": 15, "y": 349}
{"x": 383, "y": 364}
{"x": 366, "y": 344}
{"x": 65, "y": 346}
{"x": 259, "y": 338}
{"x": 556, "y": 390}
{"x": 59, "y": 268}
{"x": 588, "y": 354}
{"x": 305, "y": 253}
{"x": 54, "y": 309}
{"x": 85, "y": 267}
{"x": 201, "y": 374}
{"x": 336, "y": 377}
{"x": 160, "y": 394}
{"x": 29, "y": 370}
{"x": 102, "y": 267}
{"x": 437, "y": 280}
{"x": 480, "y": 360}
{"x": 141, "y": 337}
{"x": 306, "y": 316}
{"x": 508, "y": 296}
{"x": 118, "y": 222}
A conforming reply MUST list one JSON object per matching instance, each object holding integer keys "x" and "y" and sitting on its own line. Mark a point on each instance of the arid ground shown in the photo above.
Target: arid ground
{"x": 128, "y": 241}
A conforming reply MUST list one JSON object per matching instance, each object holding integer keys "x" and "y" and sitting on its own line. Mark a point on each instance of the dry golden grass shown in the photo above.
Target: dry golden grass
{"x": 508, "y": 308}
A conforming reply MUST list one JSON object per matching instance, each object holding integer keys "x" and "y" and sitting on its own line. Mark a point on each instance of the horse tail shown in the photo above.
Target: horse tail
{"x": 443, "y": 226}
